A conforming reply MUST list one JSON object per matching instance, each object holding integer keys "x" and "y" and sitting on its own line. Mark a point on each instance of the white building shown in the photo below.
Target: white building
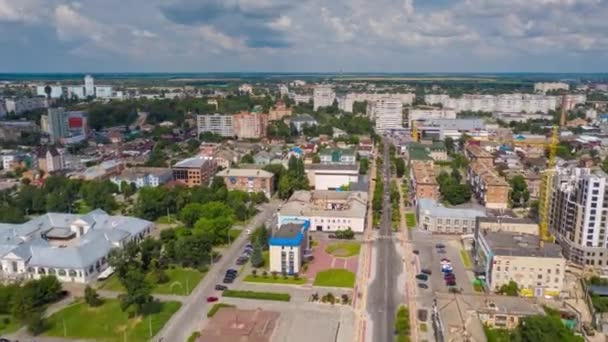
{"x": 388, "y": 114}
{"x": 104, "y": 92}
{"x": 545, "y": 87}
{"x": 283, "y": 90}
{"x": 74, "y": 248}
{"x": 323, "y": 96}
{"x": 24, "y": 104}
{"x": 432, "y": 217}
{"x": 347, "y": 103}
{"x": 327, "y": 211}
{"x": 221, "y": 124}
{"x": 246, "y": 88}
{"x": 143, "y": 177}
{"x": 510, "y": 103}
{"x": 56, "y": 91}
{"x": 331, "y": 176}
{"x": 89, "y": 86}
{"x": 288, "y": 247}
{"x": 77, "y": 91}
{"x": 426, "y": 114}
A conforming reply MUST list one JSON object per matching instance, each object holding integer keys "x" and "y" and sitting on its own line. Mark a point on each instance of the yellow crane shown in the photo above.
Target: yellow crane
{"x": 415, "y": 131}
{"x": 546, "y": 186}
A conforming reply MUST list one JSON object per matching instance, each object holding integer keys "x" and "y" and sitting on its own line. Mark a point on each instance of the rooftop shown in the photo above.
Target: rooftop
{"x": 245, "y": 173}
{"x": 192, "y": 162}
{"x": 523, "y": 245}
{"x": 333, "y": 167}
{"x": 431, "y": 207}
{"x": 303, "y": 118}
{"x": 327, "y": 203}
{"x": 289, "y": 234}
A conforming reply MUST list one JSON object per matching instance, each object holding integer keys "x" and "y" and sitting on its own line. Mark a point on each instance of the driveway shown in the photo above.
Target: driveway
{"x": 323, "y": 261}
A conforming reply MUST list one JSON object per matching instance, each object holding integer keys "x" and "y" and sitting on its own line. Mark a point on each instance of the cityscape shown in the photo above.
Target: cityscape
{"x": 273, "y": 171}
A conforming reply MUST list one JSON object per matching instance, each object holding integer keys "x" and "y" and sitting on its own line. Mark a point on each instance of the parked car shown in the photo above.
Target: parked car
{"x": 422, "y": 276}
{"x": 441, "y": 251}
{"x": 423, "y": 286}
{"x": 416, "y": 251}
{"x": 228, "y": 280}
{"x": 449, "y": 276}
{"x": 231, "y": 270}
{"x": 439, "y": 245}
{"x": 445, "y": 260}
{"x": 447, "y": 269}
{"x": 426, "y": 271}
{"x": 219, "y": 287}
{"x": 211, "y": 299}
{"x": 451, "y": 283}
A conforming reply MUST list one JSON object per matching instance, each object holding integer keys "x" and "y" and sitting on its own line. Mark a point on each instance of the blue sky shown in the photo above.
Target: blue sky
{"x": 304, "y": 35}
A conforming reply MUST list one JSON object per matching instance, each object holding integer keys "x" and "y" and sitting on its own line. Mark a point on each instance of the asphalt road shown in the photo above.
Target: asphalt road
{"x": 194, "y": 309}
{"x": 383, "y": 296}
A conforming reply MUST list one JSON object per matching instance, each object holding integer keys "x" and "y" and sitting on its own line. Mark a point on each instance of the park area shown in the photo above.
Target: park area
{"x": 343, "y": 249}
{"x": 181, "y": 281}
{"x": 335, "y": 262}
{"x": 108, "y": 322}
{"x": 336, "y": 277}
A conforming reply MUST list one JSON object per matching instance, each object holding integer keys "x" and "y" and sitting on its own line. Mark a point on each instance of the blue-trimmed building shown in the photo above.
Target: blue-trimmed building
{"x": 288, "y": 246}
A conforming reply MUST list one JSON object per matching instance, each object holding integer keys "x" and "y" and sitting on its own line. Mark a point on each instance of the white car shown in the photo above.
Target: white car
{"x": 248, "y": 231}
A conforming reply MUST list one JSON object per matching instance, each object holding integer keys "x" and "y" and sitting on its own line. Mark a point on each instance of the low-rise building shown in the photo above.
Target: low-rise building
{"x": 303, "y": 120}
{"x": 279, "y": 111}
{"x": 332, "y": 177}
{"x": 288, "y": 246}
{"x": 50, "y": 160}
{"x": 435, "y": 218}
{"x": 424, "y": 151}
{"x": 74, "y": 248}
{"x": 20, "y": 105}
{"x": 17, "y": 130}
{"x": 506, "y": 224}
{"x": 143, "y": 176}
{"x": 327, "y": 211}
{"x": 538, "y": 268}
{"x": 489, "y": 188}
{"x": 476, "y": 154}
{"x": 225, "y": 158}
{"x": 194, "y": 171}
{"x": 423, "y": 180}
{"x": 338, "y": 156}
{"x": 248, "y": 180}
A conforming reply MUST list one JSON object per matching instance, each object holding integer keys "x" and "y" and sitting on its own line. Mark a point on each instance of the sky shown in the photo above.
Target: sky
{"x": 304, "y": 35}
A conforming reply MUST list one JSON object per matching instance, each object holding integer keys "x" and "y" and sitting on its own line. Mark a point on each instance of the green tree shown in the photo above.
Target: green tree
{"x": 548, "y": 328}
{"x": 510, "y": 289}
{"x": 363, "y": 166}
{"x": 138, "y": 291}
{"x": 91, "y": 297}
{"x": 257, "y": 260}
{"x": 191, "y": 213}
{"x": 247, "y": 159}
{"x": 399, "y": 167}
{"x": 36, "y": 324}
{"x": 604, "y": 165}
{"x": 260, "y": 236}
{"x": 449, "y": 145}
{"x": 519, "y": 195}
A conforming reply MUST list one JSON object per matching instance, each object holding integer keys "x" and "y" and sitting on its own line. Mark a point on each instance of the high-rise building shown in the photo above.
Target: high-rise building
{"x": 250, "y": 125}
{"x": 578, "y": 214}
{"x": 220, "y": 124}
{"x": 323, "y": 96}
{"x": 64, "y": 127}
{"x": 349, "y": 100}
{"x": 545, "y": 87}
{"x": 89, "y": 86}
{"x": 388, "y": 113}
{"x": 23, "y": 104}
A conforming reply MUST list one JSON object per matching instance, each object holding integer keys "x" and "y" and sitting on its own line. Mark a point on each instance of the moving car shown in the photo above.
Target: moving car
{"x": 439, "y": 245}
{"x": 211, "y": 299}
{"x": 422, "y": 276}
{"x": 219, "y": 287}
{"x": 423, "y": 286}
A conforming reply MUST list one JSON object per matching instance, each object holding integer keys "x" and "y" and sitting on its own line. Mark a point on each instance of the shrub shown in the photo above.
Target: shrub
{"x": 91, "y": 296}
{"x": 254, "y": 273}
{"x": 296, "y": 276}
{"x": 215, "y": 308}
{"x": 345, "y": 299}
{"x": 314, "y": 297}
{"x": 265, "y": 274}
{"x": 274, "y": 274}
{"x": 283, "y": 297}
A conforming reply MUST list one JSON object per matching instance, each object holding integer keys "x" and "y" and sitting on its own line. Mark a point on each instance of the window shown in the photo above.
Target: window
{"x": 498, "y": 268}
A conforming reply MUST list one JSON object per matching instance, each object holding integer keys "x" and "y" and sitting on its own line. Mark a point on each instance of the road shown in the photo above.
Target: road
{"x": 383, "y": 296}
{"x": 194, "y": 309}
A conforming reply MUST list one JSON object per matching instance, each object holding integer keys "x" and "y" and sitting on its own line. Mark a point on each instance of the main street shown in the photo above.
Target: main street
{"x": 194, "y": 309}
{"x": 383, "y": 295}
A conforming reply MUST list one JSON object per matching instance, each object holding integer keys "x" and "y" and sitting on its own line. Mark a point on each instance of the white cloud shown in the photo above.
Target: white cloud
{"x": 71, "y": 25}
{"x": 282, "y": 23}
{"x": 408, "y": 7}
{"x": 343, "y": 30}
{"x": 143, "y": 33}
{"x": 221, "y": 40}
{"x": 26, "y": 11}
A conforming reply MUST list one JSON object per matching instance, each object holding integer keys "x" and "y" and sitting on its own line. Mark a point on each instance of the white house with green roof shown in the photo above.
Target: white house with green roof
{"x": 338, "y": 156}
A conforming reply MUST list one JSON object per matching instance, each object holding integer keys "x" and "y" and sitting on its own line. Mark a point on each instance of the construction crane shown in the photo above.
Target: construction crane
{"x": 415, "y": 131}
{"x": 545, "y": 188}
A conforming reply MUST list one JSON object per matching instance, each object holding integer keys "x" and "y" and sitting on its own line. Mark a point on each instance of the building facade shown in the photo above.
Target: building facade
{"x": 426, "y": 114}
{"x": 250, "y": 125}
{"x": 20, "y": 105}
{"x": 279, "y": 111}
{"x": 288, "y": 247}
{"x": 538, "y": 269}
{"x": 50, "y": 160}
{"x": 388, "y": 114}
{"x": 488, "y": 186}
{"x": 248, "y": 180}
{"x": 143, "y": 177}
{"x": 509, "y": 103}
{"x": 221, "y": 124}
{"x": 331, "y": 177}
{"x": 337, "y": 156}
{"x": 506, "y": 224}
{"x": 63, "y": 126}
{"x": 423, "y": 180}
{"x": 432, "y": 217}
{"x": 349, "y": 100}
{"x": 548, "y": 86}
{"x": 579, "y": 213}
{"x": 323, "y": 96}
{"x": 195, "y": 171}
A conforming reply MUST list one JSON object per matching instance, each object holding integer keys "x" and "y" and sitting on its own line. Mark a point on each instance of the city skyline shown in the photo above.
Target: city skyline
{"x": 307, "y": 36}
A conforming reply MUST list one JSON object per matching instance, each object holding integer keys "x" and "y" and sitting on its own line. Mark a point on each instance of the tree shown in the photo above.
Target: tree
{"x": 510, "y": 289}
{"x": 91, "y": 297}
{"x": 193, "y": 251}
{"x": 257, "y": 260}
{"x": 449, "y": 145}
{"x": 247, "y": 159}
{"x": 545, "y": 329}
{"x": 399, "y": 167}
{"x": 137, "y": 289}
{"x": 316, "y": 159}
{"x": 36, "y": 323}
{"x": 519, "y": 195}
{"x": 191, "y": 213}
{"x": 604, "y": 165}
{"x": 260, "y": 236}
{"x": 363, "y": 166}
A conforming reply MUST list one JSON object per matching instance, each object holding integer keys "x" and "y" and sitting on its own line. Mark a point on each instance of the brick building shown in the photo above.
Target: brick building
{"x": 250, "y": 125}
{"x": 423, "y": 179}
{"x": 194, "y": 171}
{"x": 248, "y": 180}
{"x": 489, "y": 188}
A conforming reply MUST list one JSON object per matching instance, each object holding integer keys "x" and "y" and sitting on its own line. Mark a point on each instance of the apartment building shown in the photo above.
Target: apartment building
{"x": 50, "y": 160}
{"x": 506, "y": 224}
{"x": 327, "y": 210}
{"x": 279, "y": 111}
{"x": 63, "y": 126}
{"x": 537, "y": 268}
{"x": 20, "y": 105}
{"x": 194, "y": 171}
{"x": 303, "y": 120}
{"x": 579, "y": 211}
{"x": 423, "y": 114}
{"x": 323, "y": 96}
{"x": 250, "y": 125}
{"x": 509, "y": 103}
{"x": 489, "y": 187}
{"x": 248, "y": 180}
{"x": 434, "y": 218}
{"x": 143, "y": 177}
{"x": 477, "y": 154}
{"x": 388, "y": 113}
{"x": 543, "y": 87}
{"x": 221, "y": 124}
{"x": 423, "y": 180}
{"x": 349, "y": 100}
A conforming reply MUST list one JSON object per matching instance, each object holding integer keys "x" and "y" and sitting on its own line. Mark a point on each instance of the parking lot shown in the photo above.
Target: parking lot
{"x": 429, "y": 257}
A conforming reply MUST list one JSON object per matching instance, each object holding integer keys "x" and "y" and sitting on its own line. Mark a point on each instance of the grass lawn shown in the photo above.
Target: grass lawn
{"x": 266, "y": 257}
{"x": 466, "y": 261}
{"x": 216, "y": 307}
{"x": 234, "y": 234}
{"x": 343, "y": 249}
{"x": 336, "y": 277}
{"x": 8, "y": 324}
{"x": 279, "y": 280}
{"x": 107, "y": 322}
{"x": 181, "y": 282}
{"x": 410, "y": 220}
{"x": 282, "y": 297}
{"x": 166, "y": 219}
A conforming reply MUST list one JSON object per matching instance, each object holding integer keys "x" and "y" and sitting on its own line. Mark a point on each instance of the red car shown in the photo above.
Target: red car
{"x": 211, "y": 299}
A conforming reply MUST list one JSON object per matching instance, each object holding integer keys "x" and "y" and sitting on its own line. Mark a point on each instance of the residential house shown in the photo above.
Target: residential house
{"x": 248, "y": 180}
